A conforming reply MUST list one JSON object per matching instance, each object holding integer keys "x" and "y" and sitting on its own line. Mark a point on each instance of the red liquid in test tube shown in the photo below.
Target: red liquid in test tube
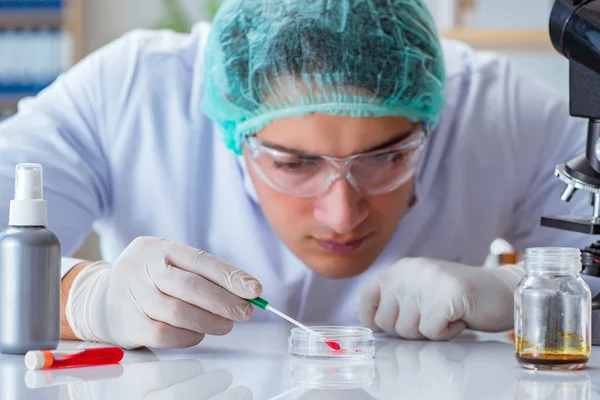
{"x": 73, "y": 359}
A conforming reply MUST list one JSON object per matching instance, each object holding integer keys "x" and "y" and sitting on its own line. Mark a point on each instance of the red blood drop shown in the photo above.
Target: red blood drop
{"x": 333, "y": 345}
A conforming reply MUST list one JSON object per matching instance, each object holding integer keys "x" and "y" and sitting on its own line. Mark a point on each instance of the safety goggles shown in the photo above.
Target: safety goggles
{"x": 304, "y": 175}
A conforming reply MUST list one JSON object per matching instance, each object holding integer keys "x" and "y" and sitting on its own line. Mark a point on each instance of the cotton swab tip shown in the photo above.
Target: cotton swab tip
{"x": 262, "y": 303}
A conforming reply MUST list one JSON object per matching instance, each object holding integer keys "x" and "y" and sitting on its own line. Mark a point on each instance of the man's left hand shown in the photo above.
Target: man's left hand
{"x": 420, "y": 298}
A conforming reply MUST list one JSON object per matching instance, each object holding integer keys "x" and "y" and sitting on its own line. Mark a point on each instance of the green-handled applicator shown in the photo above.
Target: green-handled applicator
{"x": 264, "y": 304}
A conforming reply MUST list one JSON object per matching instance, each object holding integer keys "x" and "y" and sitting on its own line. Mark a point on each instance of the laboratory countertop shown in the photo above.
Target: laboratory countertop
{"x": 253, "y": 363}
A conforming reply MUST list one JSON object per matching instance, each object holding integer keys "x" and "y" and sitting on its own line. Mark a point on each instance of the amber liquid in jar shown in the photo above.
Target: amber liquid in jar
{"x": 567, "y": 358}
{"x": 552, "y": 359}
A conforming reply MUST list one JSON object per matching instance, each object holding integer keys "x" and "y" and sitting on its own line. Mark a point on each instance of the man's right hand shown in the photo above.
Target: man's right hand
{"x": 159, "y": 294}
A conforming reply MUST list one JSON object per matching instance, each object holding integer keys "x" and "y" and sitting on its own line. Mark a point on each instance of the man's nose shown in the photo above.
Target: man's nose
{"x": 342, "y": 208}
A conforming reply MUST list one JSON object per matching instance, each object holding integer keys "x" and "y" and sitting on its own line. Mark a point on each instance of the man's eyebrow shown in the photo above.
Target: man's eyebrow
{"x": 396, "y": 139}
{"x": 287, "y": 150}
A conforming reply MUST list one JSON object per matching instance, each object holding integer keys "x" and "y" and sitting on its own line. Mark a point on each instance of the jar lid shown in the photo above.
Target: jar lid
{"x": 553, "y": 260}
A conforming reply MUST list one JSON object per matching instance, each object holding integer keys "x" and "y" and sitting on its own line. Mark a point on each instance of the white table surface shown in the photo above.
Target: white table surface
{"x": 253, "y": 363}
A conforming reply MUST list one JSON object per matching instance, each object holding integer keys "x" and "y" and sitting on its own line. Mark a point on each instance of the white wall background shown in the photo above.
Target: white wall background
{"x": 106, "y": 20}
{"x": 546, "y": 63}
{"x": 543, "y": 63}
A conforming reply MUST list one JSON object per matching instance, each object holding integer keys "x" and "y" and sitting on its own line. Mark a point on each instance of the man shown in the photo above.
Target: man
{"x": 301, "y": 151}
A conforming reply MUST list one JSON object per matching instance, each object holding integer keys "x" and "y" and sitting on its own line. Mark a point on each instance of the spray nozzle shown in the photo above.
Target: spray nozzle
{"x": 28, "y": 182}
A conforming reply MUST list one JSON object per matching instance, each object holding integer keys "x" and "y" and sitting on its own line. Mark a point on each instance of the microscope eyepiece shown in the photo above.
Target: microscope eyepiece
{"x": 575, "y": 31}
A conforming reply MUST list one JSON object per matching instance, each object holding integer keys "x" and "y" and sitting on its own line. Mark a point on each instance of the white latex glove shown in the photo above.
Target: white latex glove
{"x": 159, "y": 294}
{"x": 421, "y": 298}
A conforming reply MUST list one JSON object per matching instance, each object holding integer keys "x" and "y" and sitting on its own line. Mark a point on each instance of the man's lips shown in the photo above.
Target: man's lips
{"x": 341, "y": 247}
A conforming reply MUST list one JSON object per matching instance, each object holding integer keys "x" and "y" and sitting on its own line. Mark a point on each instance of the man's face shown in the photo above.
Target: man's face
{"x": 338, "y": 233}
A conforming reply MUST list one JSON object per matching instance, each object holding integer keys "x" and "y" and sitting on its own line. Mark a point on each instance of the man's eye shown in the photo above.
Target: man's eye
{"x": 395, "y": 157}
{"x": 400, "y": 157}
{"x": 294, "y": 165}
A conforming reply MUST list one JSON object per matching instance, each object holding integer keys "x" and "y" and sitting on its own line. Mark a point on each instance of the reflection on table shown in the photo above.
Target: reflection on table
{"x": 253, "y": 363}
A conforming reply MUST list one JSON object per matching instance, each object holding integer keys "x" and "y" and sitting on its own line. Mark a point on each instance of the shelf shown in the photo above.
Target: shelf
{"x": 67, "y": 15}
{"x": 30, "y": 4}
{"x": 517, "y": 39}
{"x": 30, "y": 19}
{"x": 23, "y": 89}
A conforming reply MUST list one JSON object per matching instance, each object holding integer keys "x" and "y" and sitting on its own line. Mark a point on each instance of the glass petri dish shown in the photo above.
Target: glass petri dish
{"x": 354, "y": 342}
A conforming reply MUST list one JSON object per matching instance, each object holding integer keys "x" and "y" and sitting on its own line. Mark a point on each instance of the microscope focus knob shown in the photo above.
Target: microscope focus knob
{"x": 568, "y": 193}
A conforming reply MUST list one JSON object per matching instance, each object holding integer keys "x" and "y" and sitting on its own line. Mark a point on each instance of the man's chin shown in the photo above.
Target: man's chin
{"x": 338, "y": 267}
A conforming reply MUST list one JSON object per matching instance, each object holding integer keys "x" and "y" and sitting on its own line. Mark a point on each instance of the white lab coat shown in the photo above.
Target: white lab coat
{"x": 127, "y": 151}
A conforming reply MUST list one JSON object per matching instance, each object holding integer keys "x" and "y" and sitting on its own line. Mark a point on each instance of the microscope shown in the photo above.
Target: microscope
{"x": 575, "y": 33}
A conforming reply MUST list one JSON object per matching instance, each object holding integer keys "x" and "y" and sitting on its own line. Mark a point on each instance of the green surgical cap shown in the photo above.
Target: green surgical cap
{"x": 271, "y": 59}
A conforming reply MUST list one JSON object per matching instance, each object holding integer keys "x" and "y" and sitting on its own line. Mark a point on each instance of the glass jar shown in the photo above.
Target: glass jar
{"x": 553, "y": 311}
